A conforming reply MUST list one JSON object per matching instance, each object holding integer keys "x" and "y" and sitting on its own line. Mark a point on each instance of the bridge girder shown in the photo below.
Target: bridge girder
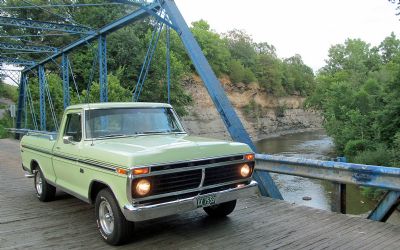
{"x": 109, "y": 28}
{"x": 23, "y": 47}
{"x": 25, "y": 23}
{"x": 16, "y": 61}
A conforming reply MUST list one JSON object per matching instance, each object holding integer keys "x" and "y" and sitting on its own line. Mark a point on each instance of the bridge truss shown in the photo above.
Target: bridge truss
{"x": 167, "y": 14}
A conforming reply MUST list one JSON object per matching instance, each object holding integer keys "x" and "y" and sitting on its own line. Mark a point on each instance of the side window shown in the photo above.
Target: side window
{"x": 73, "y": 127}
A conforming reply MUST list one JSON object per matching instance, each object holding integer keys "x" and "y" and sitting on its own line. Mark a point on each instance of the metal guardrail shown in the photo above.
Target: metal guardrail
{"x": 349, "y": 173}
{"x": 22, "y": 131}
{"x": 340, "y": 173}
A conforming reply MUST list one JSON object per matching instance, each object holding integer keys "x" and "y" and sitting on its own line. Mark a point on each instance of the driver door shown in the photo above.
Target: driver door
{"x": 69, "y": 174}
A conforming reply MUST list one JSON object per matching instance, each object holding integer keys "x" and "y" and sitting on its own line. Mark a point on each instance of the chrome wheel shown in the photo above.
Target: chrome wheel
{"x": 106, "y": 217}
{"x": 38, "y": 183}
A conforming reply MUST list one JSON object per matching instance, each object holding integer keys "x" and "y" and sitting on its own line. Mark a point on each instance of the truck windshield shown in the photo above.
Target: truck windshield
{"x": 118, "y": 122}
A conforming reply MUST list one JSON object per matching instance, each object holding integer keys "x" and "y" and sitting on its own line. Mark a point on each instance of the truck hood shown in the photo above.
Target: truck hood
{"x": 159, "y": 149}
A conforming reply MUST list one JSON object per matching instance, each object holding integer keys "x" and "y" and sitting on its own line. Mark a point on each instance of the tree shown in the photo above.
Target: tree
{"x": 237, "y": 71}
{"x": 389, "y": 48}
{"x": 270, "y": 74}
{"x": 241, "y": 47}
{"x": 358, "y": 93}
{"x": 298, "y": 77}
{"x": 214, "y": 48}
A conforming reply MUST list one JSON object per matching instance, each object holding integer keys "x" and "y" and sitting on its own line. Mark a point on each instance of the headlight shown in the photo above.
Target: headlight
{"x": 245, "y": 170}
{"x": 143, "y": 187}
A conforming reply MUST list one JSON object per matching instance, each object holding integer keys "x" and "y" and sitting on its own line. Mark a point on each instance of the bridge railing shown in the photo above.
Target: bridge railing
{"x": 341, "y": 173}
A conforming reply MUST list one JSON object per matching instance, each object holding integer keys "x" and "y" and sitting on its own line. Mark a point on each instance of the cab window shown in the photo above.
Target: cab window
{"x": 74, "y": 127}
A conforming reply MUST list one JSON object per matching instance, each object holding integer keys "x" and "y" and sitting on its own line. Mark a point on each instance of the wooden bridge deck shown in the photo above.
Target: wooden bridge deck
{"x": 257, "y": 223}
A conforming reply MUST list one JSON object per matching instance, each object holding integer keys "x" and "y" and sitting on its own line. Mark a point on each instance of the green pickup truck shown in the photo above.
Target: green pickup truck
{"x": 135, "y": 162}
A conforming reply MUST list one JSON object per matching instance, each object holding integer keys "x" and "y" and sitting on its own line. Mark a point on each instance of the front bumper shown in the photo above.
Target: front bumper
{"x": 142, "y": 213}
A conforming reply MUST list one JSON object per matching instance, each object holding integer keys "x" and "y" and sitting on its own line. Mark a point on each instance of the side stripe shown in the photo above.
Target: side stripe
{"x": 90, "y": 162}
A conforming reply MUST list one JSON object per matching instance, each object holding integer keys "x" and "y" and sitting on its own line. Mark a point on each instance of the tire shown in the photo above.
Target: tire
{"x": 111, "y": 223}
{"x": 221, "y": 210}
{"x": 44, "y": 191}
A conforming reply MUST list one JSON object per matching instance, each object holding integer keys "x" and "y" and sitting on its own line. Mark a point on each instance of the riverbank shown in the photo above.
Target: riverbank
{"x": 263, "y": 115}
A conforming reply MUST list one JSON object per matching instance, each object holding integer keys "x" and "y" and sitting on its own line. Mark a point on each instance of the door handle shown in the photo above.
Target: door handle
{"x": 57, "y": 147}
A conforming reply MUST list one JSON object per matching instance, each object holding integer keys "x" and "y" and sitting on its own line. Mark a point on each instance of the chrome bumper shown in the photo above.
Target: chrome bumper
{"x": 141, "y": 213}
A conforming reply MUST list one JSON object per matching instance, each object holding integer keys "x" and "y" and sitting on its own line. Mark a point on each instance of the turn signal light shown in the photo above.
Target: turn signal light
{"x": 249, "y": 157}
{"x": 138, "y": 171}
{"x": 121, "y": 171}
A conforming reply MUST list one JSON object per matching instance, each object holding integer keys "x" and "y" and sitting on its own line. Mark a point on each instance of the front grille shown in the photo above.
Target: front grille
{"x": 223, "y": 174}
{"x": 182, "y": 182}
{"x": 173, "y": 182}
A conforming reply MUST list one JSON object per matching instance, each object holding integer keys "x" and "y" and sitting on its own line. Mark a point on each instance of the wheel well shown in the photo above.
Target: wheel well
{"x": 34, "y": 165}
{"x": 95, "y": 188}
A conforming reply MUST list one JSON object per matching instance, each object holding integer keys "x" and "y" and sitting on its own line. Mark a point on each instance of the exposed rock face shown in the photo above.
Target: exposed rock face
{"x": 265, "y": 116}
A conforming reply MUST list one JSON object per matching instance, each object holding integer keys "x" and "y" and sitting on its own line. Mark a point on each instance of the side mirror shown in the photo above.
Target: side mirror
{"x": 67, "y": 139}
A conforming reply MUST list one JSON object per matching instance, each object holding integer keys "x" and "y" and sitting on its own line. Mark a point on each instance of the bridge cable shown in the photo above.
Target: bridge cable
{"x": 150, "y": 57}
{"x": 53, "y": 113}
{"x": 73, "y": 78}
{"x": 144, "y": 63}
{"x": 168, "y": 59}
{"x": 91, "y": 76}
{"x": 31, "y": 107}
{"x": 24, "y": 81}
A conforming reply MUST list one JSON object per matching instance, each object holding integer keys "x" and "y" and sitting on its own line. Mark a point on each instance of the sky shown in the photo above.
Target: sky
{"x": 308, "y": 27}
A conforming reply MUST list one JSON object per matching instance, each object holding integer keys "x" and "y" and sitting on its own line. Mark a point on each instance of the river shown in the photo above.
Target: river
{"x": 313, "y": 145}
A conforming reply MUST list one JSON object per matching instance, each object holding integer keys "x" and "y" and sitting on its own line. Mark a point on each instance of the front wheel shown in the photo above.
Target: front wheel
{"x": 221, "y": 210}
{"x": 113, "y": 226}
{"x": 44, "y": 191}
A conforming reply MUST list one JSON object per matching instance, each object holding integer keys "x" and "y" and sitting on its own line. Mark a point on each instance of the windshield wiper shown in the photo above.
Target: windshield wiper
{"x": 111, "y": 135}
{"x": 154, "y": 132}
{"x": 161, "y": 132}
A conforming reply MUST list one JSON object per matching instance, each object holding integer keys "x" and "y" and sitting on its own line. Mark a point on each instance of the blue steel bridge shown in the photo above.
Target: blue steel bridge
{"x": 265, "y": 221}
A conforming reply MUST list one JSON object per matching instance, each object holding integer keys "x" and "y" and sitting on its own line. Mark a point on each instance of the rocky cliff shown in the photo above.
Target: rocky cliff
{"x": 262, "y": 115}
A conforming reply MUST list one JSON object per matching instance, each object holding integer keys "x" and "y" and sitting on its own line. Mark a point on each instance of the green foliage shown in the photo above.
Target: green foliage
{"x": 237, "y": 71}
{"x": 214, "y": 48}
{"x": 354, "y": 147}
{"x": 8, "y": 91}
{"x": 380, "y": 155}
{"x": 298, "y": 77}
{"x": 358, "y": 93}
{"x": 249, "y": 76}
{"x": 242, "y": 47}
{"x": 116, "y": 93}
{"x": 372, "y": 193}
{"x": 5, "y": 122}
{"x": 269, "y": 73}
{"x": 280, "y": 111}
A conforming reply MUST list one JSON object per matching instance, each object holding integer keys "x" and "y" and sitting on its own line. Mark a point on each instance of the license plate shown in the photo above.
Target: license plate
{"x": 206, "y": 201}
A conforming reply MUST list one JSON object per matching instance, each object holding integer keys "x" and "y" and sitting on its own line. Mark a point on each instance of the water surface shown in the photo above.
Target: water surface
{"x": 312, "y": 145}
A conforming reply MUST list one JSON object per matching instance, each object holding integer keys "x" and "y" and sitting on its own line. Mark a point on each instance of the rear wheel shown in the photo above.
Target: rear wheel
{"x": 44, "y": 190}
{"x": 221, "y": 210}
{"x": 113, "y": 226}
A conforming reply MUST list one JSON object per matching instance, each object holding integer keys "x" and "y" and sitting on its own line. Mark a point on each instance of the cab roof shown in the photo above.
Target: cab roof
{"x": 105, "y": 105}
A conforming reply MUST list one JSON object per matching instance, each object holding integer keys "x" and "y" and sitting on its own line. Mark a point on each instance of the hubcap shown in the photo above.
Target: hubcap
{"x": 106, "y": 217}
{"x": 38, "y": 181}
